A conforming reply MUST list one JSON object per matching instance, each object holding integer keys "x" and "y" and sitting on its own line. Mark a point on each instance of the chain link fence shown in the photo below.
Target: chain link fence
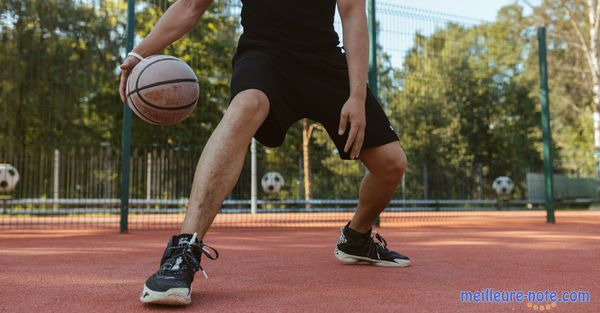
{"x": 461, "y": 93}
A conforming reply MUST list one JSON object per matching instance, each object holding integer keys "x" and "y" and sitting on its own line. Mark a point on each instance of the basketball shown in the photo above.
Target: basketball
{"x": 162, "y": 90}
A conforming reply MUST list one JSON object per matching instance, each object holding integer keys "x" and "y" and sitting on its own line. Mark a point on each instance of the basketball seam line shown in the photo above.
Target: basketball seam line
{"x": 168, "y": 109}
{"x": 137, "y": 86}
{"x": 142, "y": 114}
{"x": 165, "y": 82}
{"x": 137, "y": 81}
{"x": 137, "y": 89}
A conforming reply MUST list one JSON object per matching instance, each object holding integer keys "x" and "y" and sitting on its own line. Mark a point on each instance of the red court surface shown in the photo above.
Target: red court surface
{"x": 293, "y": 270}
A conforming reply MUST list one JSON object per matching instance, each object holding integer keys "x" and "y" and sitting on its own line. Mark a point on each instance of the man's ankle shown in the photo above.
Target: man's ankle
{"x": 358, "y": 231}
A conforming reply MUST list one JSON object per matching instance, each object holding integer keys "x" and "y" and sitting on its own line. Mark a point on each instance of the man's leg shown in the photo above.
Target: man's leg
{"x": 386, "y": 165}
{"x": 217, "y": 171}
{"x": 222, "y": 159}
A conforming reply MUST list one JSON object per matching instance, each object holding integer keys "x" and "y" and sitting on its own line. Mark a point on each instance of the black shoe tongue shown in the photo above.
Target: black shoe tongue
{"x": 182, "y": 240}
{"x": 353, "y": 234}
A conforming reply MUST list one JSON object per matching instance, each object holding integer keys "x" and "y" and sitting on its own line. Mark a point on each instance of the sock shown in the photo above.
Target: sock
{"x": 353, "y": 234}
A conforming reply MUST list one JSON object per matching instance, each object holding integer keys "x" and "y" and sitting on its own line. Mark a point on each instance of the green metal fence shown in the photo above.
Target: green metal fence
{"x": 463, "y": 95}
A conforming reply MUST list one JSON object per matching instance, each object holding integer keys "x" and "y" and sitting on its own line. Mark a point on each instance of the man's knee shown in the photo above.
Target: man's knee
{"x": 250, "y": 103}
{"x": 391, "y": 165}
{"x": 396, "y": 167}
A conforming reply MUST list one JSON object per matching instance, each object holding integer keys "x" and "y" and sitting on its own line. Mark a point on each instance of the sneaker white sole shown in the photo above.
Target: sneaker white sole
{"x": 173, "y": 296}
{"x": 354, "y": 259}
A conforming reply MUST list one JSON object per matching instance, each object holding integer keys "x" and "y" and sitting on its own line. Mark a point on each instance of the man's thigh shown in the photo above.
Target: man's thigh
{"x": 379, "y": 159}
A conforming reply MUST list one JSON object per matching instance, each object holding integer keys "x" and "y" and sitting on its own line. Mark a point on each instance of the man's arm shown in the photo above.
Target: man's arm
{"x": 179, "y": 19}
{"x": 356, "y": 44}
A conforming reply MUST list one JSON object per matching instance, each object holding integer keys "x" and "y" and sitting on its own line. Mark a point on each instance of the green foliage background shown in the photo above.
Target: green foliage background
{"x": 464, "y": 102}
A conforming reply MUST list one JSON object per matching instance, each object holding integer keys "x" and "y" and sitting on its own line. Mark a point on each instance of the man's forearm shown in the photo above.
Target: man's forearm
{"x": 356, "y": 44}
{"x": 178, "y": 20}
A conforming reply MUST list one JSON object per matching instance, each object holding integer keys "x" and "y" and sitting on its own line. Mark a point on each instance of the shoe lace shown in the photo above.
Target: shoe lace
{"x": 190, "y": 254}
{"x": 380, "y": 244}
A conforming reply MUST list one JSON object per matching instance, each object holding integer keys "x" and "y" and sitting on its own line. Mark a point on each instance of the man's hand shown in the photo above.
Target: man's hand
{"x": 179, "y": 19}
{"x": 356, "y": 44}
{"x": 353, "y": 113}
{"x": 128, "y": 64}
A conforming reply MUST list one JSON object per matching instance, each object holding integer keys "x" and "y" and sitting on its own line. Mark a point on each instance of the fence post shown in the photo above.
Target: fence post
{"x": 300, "y": 178}
{"x": 373, "y": 60}
{"x": 404, "y": 187}
{"x": 373, "y": 83}
{"x": 56, "y": 181}
{"x": 425, "y": 182}
{"x": 148, "y": 180}
{"x": 253, "y": 187}
{"x": 547, "y": 134}
{"x": 126, "y": 132}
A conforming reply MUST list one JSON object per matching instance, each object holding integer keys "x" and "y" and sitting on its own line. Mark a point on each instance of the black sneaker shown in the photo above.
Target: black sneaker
{"x": 172, "y": 284}
{"x": 354, "y": 247}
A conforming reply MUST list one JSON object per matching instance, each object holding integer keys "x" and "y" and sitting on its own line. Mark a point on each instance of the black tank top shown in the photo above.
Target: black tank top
{"x": 300, "y": 25}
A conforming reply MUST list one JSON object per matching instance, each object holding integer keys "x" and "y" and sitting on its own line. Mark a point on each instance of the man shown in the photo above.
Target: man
{"x": 287, "y": 66}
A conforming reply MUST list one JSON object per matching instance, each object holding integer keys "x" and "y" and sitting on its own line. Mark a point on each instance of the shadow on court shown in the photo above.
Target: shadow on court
{"x": 294, "y": 270}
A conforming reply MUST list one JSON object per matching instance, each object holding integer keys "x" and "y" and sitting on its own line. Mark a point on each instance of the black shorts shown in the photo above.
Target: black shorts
{"x": 304, "y": 85}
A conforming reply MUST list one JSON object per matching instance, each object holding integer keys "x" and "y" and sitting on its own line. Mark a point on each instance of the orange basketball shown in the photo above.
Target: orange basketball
{"x": 162, "y": 90}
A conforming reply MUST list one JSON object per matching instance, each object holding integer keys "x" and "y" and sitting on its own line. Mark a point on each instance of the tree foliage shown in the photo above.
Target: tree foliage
{"x": 574, "y": 64}
{"x": 464, "y": 109}
{"x": 58, "y": 74}
{"x": 464, "y": 100}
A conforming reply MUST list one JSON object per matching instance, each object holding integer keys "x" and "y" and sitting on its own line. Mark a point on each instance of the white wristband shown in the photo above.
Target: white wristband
{"x": 135, "y": 55}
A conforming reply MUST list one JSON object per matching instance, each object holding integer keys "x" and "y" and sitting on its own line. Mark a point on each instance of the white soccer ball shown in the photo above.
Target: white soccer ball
{"x": 272, "y": 182}
{"x": 503, "y": 185}
{"x": 9, "y": 177}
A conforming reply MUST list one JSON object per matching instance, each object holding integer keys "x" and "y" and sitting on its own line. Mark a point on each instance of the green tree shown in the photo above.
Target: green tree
{"x": 464, "y": 111}
{"x": 574, "y": 65}
{"x": 59, "y": 60}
